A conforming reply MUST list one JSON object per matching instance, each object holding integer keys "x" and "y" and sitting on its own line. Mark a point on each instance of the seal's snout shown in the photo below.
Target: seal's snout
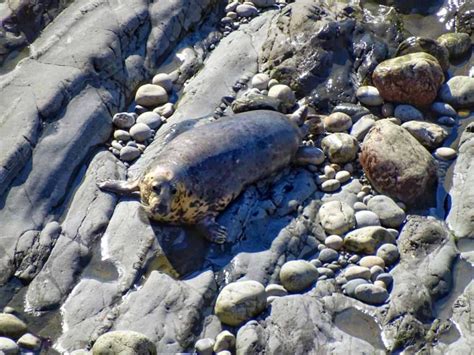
{"x": 161, "y": 209}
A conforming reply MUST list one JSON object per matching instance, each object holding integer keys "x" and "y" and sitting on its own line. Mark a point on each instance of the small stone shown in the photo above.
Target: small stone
{"x": 30, "y": 342}
{"x": 336, "y": 217}
{"x": 343, "y": 176}
{"x": 330, "y": 185}
{"x": 224, "y": 352}
{"x": 310, "y": 155}
{"x": 348, "y": 167}
{"x": 334, "y": 242}
{"x": 328, "y": 255}
{"x": 232, "y": 6}
{"x": 390, "y": 214}
{"x": 140, "y": 132}
{"x": 272, "y": 83}
{"x": 388, "y": 253}
{"x": 240, "y": 301}
{"x": 151, "y": 119}
{"x": 9, "y": 309}
{"x": 316, "y": 263}
{"x": 369, "y": 96}
{"x": 260, "y": 81}
{"x": 367, "y": 198}
{"x": 123, "y": 341}
{"x": 340, "y": 147}
{"x": 380, "y": 284}
{"x": 116, "y": 145}
{"x": 122, "y": 135}
{"x": 165, "y": 111}
{"x": 337, "y": 122}
{"x": 8, "y": 347}
{"x": 204, "y": 346}
{"x": 366, "y": 219}
{"x": 457, "y": 44}
{"x": 387, "y": 110}
{"x": 298, "y": 275}
{"x": 354, "y": 259}
{"x": 129, "y": 153}
{"x": 458, "y": 92}
{"x": 446, "y": 121}
{"x": 357, "y": 272}
{"x": 324, "y": 271}
{"x": 386, "y": 278}
{"x": 11, "y": 326}
{"x": 371, "y": 260}
{"x": 225, "y": 340}
{"x": 375, "y": 271}
{"x": 371, "y": 294}
{"x": 443, "y": 109}
{"x": 150, "y": 95}
{"x": 245, "y": 10}
{"x": 367, "y": 239}
{"x": 408, "y": 113}
{"x": 362, "y": 127}
{"x": 430, "y": 135}
{"x": 124, "y": 119}
{"x": 329, "y": 172}
{"x": 350, "y": 286}
{"x": 164, "y": 80}
{"x": 353, "y": 110}
{"x": 359, "y": 206}
{"x": 282, "y": 93}
{"x": 464, "y": 113}
{"x": 140, "y": 109}
{"x": 445, "y": 153}
{"x": 275, "y": 290}
{"x": 263, "y": 3}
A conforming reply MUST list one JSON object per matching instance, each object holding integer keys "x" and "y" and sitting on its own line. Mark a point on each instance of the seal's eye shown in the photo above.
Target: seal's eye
{"x": 173, "y": 190}
{"x": 157, "y": 189}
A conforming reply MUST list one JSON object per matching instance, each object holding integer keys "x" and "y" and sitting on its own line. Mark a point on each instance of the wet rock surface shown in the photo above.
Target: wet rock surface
{"x": 83, "y": 270}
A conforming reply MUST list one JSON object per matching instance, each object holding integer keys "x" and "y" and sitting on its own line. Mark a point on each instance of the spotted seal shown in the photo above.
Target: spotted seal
{"x": 202, "y": 170}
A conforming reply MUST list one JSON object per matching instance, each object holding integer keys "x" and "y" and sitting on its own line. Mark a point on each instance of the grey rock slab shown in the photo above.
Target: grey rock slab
{"x": 423, "y": 276}
{"x": 461, "y": 215}
{"x": 168, "y": 317}
{"x": 308, "y": 330}
{"x": 86, "y": 219}
{"x": 43, "y": 185}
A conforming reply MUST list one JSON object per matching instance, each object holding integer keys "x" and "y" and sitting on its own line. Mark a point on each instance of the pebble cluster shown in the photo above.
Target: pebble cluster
{"x": 14, "y": 335}
{"x": 134, "y": 131}
{"x": 242, "y": 12}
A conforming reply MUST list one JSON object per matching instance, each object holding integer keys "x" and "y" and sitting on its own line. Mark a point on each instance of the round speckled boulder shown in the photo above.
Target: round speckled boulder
{"x": 298, "y": 275}
{"x": 413, "y": 79}
{"x": 123, "y": 342}
{"x": 240, "y": 301}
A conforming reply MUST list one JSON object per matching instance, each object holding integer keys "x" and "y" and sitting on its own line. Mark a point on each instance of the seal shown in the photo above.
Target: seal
{"x": 198, "y": 173}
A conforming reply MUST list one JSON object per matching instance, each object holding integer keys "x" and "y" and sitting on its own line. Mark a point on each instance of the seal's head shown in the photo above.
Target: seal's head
{"x": 158, "y": 192}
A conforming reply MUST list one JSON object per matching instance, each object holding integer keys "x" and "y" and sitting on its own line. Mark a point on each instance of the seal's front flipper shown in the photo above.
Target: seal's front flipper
{"x": 212, "y": 230}
{"x": 309, "y": 155}
{"x": 119, "y": 186}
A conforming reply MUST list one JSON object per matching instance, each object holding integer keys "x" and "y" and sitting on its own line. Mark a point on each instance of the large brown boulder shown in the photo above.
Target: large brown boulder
{"x": 397, "y": 165}
{"x": 412, "y": 79}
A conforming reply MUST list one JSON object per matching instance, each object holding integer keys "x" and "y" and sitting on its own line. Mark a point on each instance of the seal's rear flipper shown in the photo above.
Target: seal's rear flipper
{"x": 213, "y": 231}
{"x": 119, "y": 186}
